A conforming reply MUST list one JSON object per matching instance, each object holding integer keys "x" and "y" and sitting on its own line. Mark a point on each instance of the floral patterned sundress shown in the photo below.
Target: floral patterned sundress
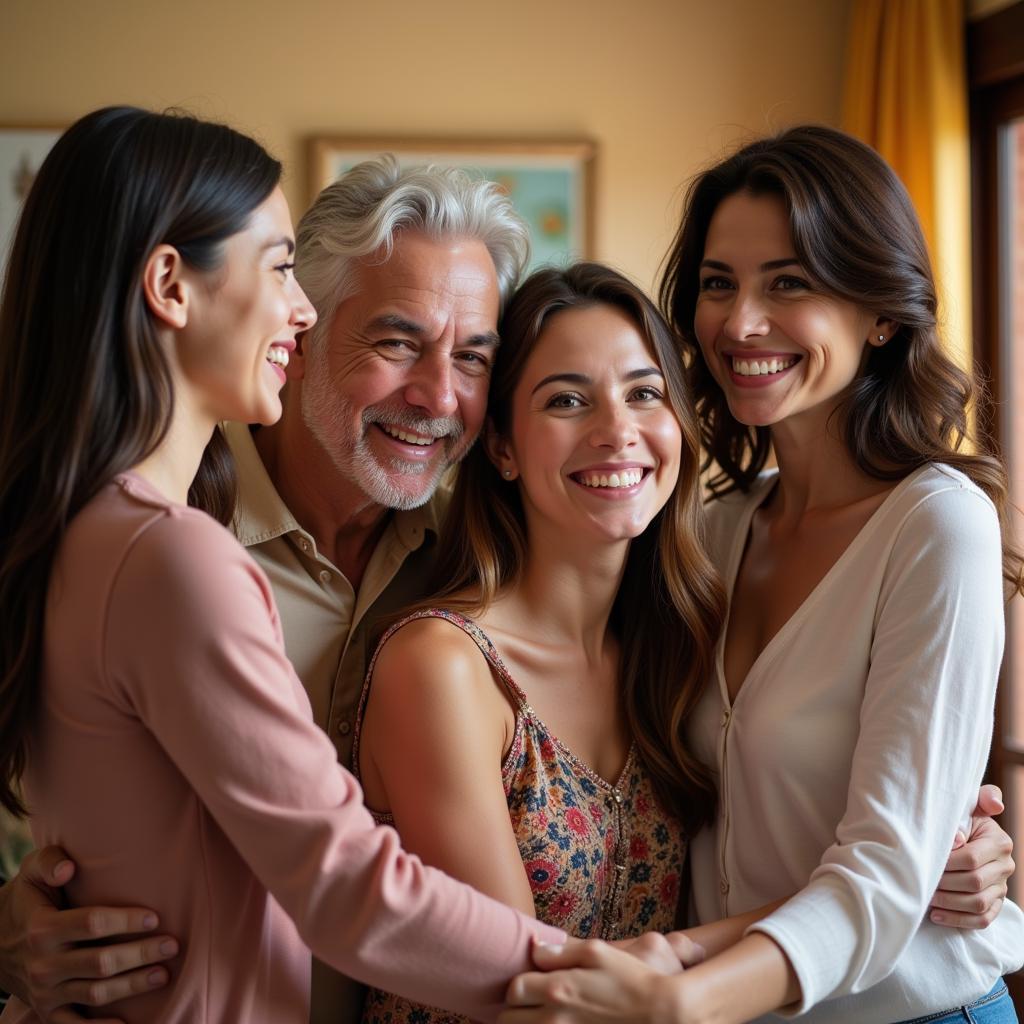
{"x": 604, "y": 859}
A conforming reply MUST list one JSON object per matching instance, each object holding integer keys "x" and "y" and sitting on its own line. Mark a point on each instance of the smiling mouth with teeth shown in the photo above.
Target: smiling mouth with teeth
{"x": 627, "y": 478}
{"x": 405, "y": 436}
{"x": 761, "y": 367}
{"x": 278, "y": 355}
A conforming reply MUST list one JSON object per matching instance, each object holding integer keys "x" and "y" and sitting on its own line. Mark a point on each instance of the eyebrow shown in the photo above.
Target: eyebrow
{"x": 789, "y": 261}
{"x": 582, "y": 378}
{"x": 288, "y": 243}
{"x": 394, "y": 322}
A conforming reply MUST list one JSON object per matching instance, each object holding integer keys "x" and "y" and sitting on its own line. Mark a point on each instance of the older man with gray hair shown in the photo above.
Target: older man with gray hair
{"x": 337, "y": 501}
{"x": 407, "y": 272}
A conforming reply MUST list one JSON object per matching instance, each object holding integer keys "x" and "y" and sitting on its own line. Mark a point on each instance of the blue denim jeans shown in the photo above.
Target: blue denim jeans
{"x": 995, "y": 1008}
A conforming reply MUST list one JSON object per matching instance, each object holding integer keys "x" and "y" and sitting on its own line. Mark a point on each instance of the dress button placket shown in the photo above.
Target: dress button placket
{"x": 610, "y": 914}
{"x": 723, "y": 837}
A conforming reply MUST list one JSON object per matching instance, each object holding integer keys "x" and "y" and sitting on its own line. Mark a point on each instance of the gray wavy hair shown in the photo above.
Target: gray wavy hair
{"x": 360, "y": 213}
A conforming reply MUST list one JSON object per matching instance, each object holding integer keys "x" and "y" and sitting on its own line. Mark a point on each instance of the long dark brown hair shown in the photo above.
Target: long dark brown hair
{"x": 669, "y": 609}
{"x": 856, "y": 233}
{"x": 85, "y": 390}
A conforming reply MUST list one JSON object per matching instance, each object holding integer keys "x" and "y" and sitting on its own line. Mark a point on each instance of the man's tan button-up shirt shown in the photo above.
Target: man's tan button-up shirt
{"x": 327, "y": 624}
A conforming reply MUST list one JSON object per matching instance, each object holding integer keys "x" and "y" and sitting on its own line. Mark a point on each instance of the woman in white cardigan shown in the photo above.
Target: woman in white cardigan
{"x": 850, "y": 715}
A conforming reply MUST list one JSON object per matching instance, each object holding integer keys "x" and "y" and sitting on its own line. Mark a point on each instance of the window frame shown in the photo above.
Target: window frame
{"x": 995, "y": 62}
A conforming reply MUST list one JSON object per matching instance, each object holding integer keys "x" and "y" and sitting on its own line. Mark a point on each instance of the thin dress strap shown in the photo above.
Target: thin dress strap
{"x": 474, "y": 632}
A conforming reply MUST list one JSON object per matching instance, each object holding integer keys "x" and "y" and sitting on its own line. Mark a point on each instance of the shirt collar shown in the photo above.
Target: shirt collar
{"x": 260, "y": 514}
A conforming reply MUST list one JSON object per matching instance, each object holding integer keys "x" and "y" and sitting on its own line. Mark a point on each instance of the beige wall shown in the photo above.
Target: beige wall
{"x": 662, "y": 85}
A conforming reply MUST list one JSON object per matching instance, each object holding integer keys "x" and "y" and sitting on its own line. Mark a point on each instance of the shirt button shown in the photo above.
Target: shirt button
{"x": 344, "y": 727}
{"x": 724, "y": 887}
{"x": 325, "y": 576}
{"x": 725, "y": 717}
{"x": 304, "y": 544}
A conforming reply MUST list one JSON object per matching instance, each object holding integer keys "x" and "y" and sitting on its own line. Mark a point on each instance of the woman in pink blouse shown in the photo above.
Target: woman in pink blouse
{"x": 160, "y": 733}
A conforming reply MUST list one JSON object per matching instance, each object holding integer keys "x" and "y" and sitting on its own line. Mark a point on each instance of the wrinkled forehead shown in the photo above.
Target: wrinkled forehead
{"x": 432, "y": 281}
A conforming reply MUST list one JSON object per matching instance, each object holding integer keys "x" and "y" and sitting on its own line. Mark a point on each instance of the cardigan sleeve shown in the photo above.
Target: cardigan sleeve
{"x": 193, "y": 648}
{"x": 925, "y": 730}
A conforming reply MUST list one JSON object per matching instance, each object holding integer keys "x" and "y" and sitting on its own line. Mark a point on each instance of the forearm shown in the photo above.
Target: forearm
{"x": 750, "y": 978}
{"x": 719, "y": 936}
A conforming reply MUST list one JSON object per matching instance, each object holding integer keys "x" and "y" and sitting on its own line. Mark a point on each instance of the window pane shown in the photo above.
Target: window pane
{"x": 1011, "y": 370}
{"x": 1011, "y": 387}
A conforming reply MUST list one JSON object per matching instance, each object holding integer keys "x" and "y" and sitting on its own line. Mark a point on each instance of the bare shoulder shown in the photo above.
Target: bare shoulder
{"x": 431, "y": 664}
{"x": 433, "y": 709}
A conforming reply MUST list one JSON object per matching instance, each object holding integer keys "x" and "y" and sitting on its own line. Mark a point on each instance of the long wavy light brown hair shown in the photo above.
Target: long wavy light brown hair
{"x": 856, "y": 233}
{"x": 85, "y": 388}
{"x": 669, "y": 609}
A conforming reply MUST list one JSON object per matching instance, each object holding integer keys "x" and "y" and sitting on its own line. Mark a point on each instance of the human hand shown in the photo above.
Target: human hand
{"x": 40, "y": 961}
{"x": 666, "y": 953}
{"x": 592, "y": 982}
{"x": 972, "y": 890}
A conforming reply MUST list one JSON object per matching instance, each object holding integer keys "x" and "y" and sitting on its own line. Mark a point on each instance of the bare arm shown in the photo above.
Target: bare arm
{"x": 596, "y": 983}
{"x": 718, "y": 936}
{"x": 40, "y": 961}
{"x": 432, "y": 740}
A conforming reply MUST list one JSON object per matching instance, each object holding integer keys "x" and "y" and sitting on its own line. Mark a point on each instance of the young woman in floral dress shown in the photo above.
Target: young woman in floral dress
{"x": 529, "y": 717}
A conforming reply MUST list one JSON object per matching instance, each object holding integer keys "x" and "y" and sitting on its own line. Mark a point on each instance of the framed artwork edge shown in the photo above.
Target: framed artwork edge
{"x": 321, "y": 148}
{"x": 11, "y": 194}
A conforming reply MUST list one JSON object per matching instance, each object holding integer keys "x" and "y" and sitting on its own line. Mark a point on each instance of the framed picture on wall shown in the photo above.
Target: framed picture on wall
{"x": 549, "y": 182}
{"x": 22, "y": 150}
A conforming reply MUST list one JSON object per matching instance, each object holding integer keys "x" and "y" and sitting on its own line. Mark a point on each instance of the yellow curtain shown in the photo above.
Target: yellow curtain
{"x": 906, "y": 95}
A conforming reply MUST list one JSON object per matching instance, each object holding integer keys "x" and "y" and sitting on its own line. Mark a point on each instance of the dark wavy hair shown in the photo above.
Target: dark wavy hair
{"x": 670, "y": 606}
{"x": 85, "y": 389}
{"x": 856, "y": 233}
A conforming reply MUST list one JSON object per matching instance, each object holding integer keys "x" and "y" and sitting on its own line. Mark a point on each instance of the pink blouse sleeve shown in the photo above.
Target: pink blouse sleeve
{"x": 193, "y": 646}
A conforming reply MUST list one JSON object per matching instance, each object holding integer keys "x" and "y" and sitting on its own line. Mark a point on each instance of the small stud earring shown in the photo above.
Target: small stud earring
{"x": 507, "y": 474}
{"x": 881, "y": 339}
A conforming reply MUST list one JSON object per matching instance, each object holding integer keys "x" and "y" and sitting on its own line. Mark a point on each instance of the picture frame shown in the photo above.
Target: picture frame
{"x": 550, "y": 182}
{"x": 22, "y": 149}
